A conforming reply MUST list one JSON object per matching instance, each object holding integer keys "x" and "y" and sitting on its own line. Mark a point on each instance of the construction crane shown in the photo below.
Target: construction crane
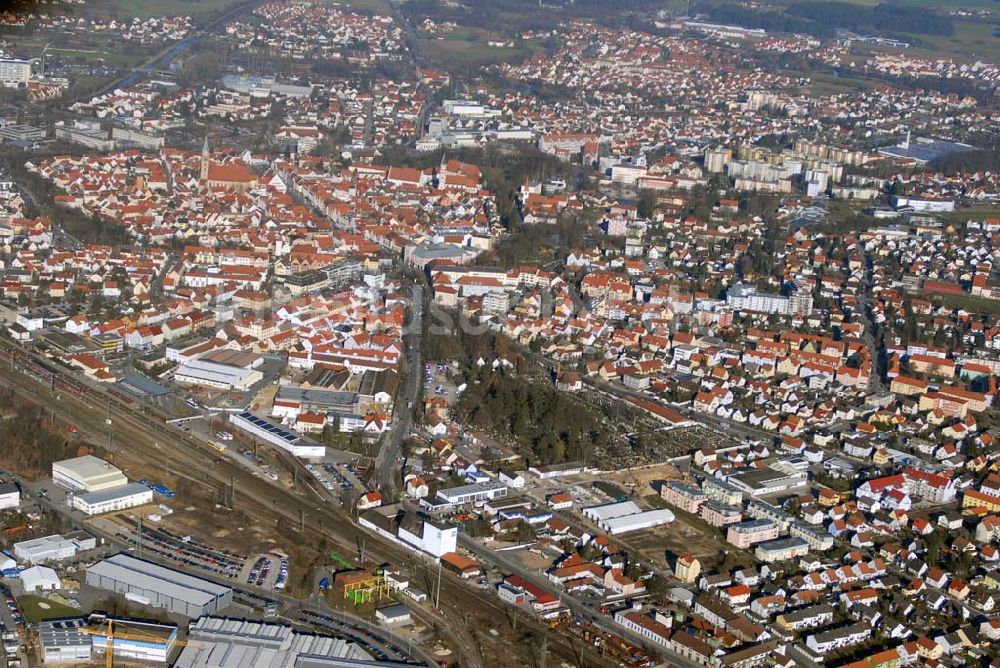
{"x": 108, "y": 631}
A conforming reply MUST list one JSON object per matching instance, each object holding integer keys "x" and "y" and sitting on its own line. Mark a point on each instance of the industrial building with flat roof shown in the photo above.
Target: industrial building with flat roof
{"x": 10, "y": 495}
{"x": 767, "y": 481}
{"x": 163, "y": 587}
{"x": 156, "y": 643}
{"x": 54, "y": 548}
{"x": 111, "y": 500}
{"x": 616, "y": 518}
{"x": 88, "y": 474}
{"x": 480, "y": 491}
{"x": 275, "y": 435}
{"x": 235, "y": 643}
{"x": 646, "y": 519}
{"x": 922, "y": 150}
{"x": 319, "y": 399}
{"x": 224, "y": 369}
{"x": 63, "y": 642}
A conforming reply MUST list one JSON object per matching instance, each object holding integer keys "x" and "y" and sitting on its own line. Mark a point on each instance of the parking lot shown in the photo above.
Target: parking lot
{"x": 269, "y": 571}
{"x": 438, "y": 384}
{"x": 182, "y": 550}
{"x": 10, "y": 614}
{"x": 336, "y": 478}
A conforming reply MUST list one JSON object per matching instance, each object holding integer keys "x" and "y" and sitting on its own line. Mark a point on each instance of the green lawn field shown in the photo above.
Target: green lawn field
{"x": 972, "y": 304}
{"x": 940, "y": 5}
{"x": 37, "y": 609}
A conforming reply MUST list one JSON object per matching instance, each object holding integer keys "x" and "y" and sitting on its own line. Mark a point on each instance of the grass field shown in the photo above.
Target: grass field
{"x": 468, "y": 47}
{"x": 467, "y": 54}
{"x": 196, "y": 9}
{"x": 972, "y": 304}
{"x": 973, "y": 37}
{"x": 824, "y": 84}
{"x": 978, "y": 212}
{"x": 84, "y": 48}
{"x": 365, "y": 5}
{"x": 972, "y": 40}
{"x": 940, "y": 5}
{"x": 37, "y": 609}
{"x": 950, "y": 5}
{"x": 108, "y": 57}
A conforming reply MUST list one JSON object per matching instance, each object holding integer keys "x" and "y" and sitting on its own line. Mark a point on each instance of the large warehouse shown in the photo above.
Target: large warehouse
{"x": 225, "y": 369}
{"x": 646, "y": 519}
{"x": 87, "y": 474}
{"x": 616, "y": 518}
{"x": 112, "y": 500}
{"x": 163, "y": 587}
{"x": 609, "y": 510}
{"x": 236, "y": 643}
{"x": 275, "y": 435}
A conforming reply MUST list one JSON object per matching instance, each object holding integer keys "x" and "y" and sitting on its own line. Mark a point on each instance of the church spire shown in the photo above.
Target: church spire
{"x": 203, "y": 175}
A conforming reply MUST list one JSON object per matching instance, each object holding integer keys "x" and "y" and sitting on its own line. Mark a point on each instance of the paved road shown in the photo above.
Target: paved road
{"x": 60, "y": 237}
{"x": 875, "y": 380}
{"x": 387, "y": 463}
{"x": 410, "y": 36}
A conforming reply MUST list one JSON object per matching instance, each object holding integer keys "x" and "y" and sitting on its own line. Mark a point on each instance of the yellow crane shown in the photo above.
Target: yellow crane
{"x": 110, "y": 633}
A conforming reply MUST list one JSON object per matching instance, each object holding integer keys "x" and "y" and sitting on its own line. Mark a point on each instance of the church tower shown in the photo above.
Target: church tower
{"x": 203, "y": 177}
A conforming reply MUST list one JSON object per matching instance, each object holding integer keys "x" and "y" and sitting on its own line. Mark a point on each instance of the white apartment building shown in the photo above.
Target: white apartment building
{"x": 14, "y": 71}
{"x": 746, "y": 298}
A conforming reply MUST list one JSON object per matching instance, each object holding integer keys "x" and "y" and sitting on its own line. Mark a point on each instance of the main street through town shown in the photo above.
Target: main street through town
{"x": 387, "y": 463}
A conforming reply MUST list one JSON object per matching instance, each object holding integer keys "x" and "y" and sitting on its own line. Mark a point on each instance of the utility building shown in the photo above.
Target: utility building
{"x": 163, "y": 587}
{"x": 112, "y": 500}
{"x": 87, "y": 474}
{"x": 275, "y": 435}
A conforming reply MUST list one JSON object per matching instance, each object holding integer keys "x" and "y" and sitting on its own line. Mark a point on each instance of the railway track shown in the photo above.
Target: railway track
{"x": 150, "y": 445}
{"x": 142, "y": 434}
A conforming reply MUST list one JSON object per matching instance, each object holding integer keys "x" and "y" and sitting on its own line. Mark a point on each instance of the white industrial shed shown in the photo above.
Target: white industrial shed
{"x": 397, "y": 614}
{"x": 641, "y": 520}
{"x": 610, "y": 510}
{"x": 39, "y": 578}
{"x": 87, "y": 473}
{"x": 10, "y": 495}
{"x": 54, "y": 548}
